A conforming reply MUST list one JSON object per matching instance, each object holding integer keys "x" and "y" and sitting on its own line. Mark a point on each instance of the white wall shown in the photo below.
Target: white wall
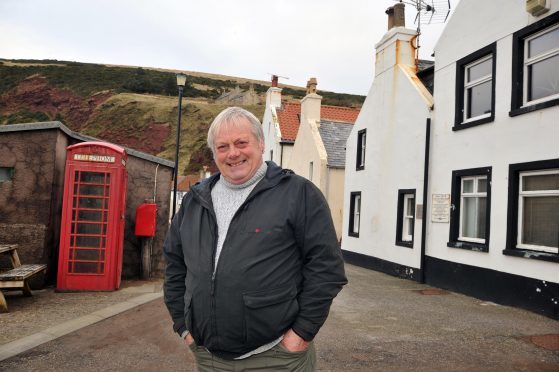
{"x": 506, "y": 140}
{"x": 394, "y": 114}
{"x": 270, "y": 125}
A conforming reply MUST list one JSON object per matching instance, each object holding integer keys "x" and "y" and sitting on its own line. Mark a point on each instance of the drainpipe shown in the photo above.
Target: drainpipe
{"x": 425, "y": 196}
{"x": 281, "y": 155}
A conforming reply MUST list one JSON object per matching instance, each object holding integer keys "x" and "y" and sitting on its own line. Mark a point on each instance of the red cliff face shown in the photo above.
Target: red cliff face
{"x": 35, "y": 95}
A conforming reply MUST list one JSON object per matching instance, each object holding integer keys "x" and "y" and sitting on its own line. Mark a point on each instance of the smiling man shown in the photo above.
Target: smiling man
{"x": 253, "y": 263}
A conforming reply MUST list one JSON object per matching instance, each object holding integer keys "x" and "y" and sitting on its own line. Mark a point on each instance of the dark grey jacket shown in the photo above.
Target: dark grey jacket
{"x": 280, "y": 266}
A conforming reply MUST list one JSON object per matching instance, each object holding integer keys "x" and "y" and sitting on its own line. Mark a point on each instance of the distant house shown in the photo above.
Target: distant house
{"x": 237, "y": 96}
{"x": 281, "y": 122}
{"x": 318, "y": 153}
{"x": 461, "y": 189}
{"x": 32, "y": 169}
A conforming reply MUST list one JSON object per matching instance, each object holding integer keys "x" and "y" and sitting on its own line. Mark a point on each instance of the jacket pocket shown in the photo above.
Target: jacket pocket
{"x": 269, "y": 313}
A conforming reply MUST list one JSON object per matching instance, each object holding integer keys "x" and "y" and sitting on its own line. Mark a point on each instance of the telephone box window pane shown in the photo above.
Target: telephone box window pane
{"x": 88, "y": 255}
{"x": 89, "y": 228}
{"x": 93, "y": 177}
{"x": 92, "y": 190}
{"x": 88, "y": 241}
{"x": 92, "y": 203}
{"x": 89, "y": 216}
{"x": 86, "y": 268}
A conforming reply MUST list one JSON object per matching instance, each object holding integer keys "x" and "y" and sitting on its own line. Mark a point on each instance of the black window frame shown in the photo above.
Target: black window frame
{"x": 455, "y": 197}
{"x": 461, "y": 64}
{"x": 400, "y": 218}
{"x": 517, "y": 91}
{"x": 352, "y": 196}
{"x": 512, "y": 210}
{"x": 360, "y": 158}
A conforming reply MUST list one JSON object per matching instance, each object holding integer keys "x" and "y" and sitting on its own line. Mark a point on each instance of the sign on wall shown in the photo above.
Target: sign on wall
{"x": 440, "y": 210}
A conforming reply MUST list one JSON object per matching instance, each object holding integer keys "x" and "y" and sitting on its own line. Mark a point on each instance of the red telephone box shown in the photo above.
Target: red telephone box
{"x": 93, "y": 209}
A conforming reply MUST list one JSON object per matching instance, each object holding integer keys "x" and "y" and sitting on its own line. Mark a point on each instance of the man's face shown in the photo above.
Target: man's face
{"x": 237, "y": 152}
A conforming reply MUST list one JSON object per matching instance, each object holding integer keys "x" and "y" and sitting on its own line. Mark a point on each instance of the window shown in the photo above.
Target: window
{"x": 406, "y": 218}
{"x": 6, "y": 174}
{"x": 470, "y": 209}
{"x": 535, "y": 79}
{"x": 361, "y": 142}
{"x": 310, "y": 170}
{"x": 354, "y": 214}
{"x": 533, "y": 212}
{"x": 475, "y": 88}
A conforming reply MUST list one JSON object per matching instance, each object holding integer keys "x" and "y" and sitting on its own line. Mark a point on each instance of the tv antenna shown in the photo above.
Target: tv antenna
{"x": 428, "y": 12}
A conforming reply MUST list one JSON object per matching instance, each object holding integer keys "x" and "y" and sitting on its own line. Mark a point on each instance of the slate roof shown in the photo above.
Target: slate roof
{"x": 334, "y": 136}
{"x": 289, "y": 117}
{"x": 80, "y": 137}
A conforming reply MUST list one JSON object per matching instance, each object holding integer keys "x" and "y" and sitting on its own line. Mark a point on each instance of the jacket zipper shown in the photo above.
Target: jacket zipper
{"x": 214, "y": 266}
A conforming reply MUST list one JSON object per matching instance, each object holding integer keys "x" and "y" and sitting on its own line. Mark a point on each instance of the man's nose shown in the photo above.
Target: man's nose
{"x": 233, "y": 151}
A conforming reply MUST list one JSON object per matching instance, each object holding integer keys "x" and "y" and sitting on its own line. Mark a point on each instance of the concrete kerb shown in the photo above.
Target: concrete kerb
{"x": 21, "y": 345}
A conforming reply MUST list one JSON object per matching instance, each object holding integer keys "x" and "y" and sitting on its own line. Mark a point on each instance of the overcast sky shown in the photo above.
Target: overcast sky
{"x": 332, "y": 40}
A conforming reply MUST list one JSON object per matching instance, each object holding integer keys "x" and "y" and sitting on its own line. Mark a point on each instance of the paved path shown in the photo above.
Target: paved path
{"x": 377, "y": 323}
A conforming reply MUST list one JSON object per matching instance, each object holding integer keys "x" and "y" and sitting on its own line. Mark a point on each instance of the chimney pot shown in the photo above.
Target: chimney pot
{"x": 396, "y": 16}
{"x": 311, "y": 86}
{"x": 274, "y": 80}
{"x": 399, "y": 15}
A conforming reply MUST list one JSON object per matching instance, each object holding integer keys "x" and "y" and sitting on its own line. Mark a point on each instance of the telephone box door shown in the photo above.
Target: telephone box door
{"x": 92, "y": 224}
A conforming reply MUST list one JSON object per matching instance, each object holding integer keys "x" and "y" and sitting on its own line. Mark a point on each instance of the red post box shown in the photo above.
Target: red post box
{"x": 93, "y": 208}
{"x": 145, "y": 219}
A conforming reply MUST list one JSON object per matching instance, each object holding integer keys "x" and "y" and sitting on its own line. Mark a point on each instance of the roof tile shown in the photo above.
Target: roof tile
{"x": 289, "y": 117}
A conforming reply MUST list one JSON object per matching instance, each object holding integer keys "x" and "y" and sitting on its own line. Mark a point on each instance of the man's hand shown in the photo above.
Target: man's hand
{"x": 189, "y": 340}
{"x": 292, "y": 342}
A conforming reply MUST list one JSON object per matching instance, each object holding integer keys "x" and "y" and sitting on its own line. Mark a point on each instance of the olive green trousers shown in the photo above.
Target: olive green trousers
{"x": 276, "y": 359}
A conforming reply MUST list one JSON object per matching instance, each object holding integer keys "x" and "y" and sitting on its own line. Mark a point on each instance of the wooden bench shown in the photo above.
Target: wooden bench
{"x": 18, "y": 275}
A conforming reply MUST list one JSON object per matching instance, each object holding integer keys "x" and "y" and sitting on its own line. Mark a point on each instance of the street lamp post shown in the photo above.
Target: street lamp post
{"x": 181, "y": 82}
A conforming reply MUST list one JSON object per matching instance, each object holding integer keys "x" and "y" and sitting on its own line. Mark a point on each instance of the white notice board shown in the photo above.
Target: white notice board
{"x": 440, "y": 210}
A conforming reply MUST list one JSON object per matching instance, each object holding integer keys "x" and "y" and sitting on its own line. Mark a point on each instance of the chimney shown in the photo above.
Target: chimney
{"x": 310, "y": 104}
{"x": 311, "y": 86}
{"x": 396, "y": 16}
{"x": 273, "y": 95}
{"x": 397, "y": 46}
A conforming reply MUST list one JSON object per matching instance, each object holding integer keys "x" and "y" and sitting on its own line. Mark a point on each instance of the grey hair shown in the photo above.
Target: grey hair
{"x": 233, "y": 116}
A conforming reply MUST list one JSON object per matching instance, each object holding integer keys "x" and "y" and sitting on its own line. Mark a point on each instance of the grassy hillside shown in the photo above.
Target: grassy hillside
{"x": 131, "y": 106}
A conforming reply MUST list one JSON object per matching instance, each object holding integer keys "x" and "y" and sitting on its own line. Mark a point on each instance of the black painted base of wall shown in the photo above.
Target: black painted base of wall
{"x": 489, "y": 285}
{"x": 387, "y": 267}
{"x": 539, "y": 296}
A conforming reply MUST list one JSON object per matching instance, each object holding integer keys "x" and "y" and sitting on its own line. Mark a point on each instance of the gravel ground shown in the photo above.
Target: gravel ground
{"x": 46, "y": 308}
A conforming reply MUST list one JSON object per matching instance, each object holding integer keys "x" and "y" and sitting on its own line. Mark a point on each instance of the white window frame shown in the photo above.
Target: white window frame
{"x": 530, "y": 61}
{"x": 526, "y": 194}
{"x": 471, "y": 84}
{"x": 363, "y": 143}
{"x": 407, "y": 234}
{"x": 356, "y": 213}
{"x": 474, "y": 194}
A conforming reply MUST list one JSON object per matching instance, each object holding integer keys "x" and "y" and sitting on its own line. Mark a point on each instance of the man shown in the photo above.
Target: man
{"x": 252, "y": 258}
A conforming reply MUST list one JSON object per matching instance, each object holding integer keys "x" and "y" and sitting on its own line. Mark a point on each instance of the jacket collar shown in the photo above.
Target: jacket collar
{"x": 274, "y": 175}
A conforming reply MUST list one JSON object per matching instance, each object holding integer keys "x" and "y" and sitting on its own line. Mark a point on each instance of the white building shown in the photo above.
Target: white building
{"x": 490, "y": 164}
